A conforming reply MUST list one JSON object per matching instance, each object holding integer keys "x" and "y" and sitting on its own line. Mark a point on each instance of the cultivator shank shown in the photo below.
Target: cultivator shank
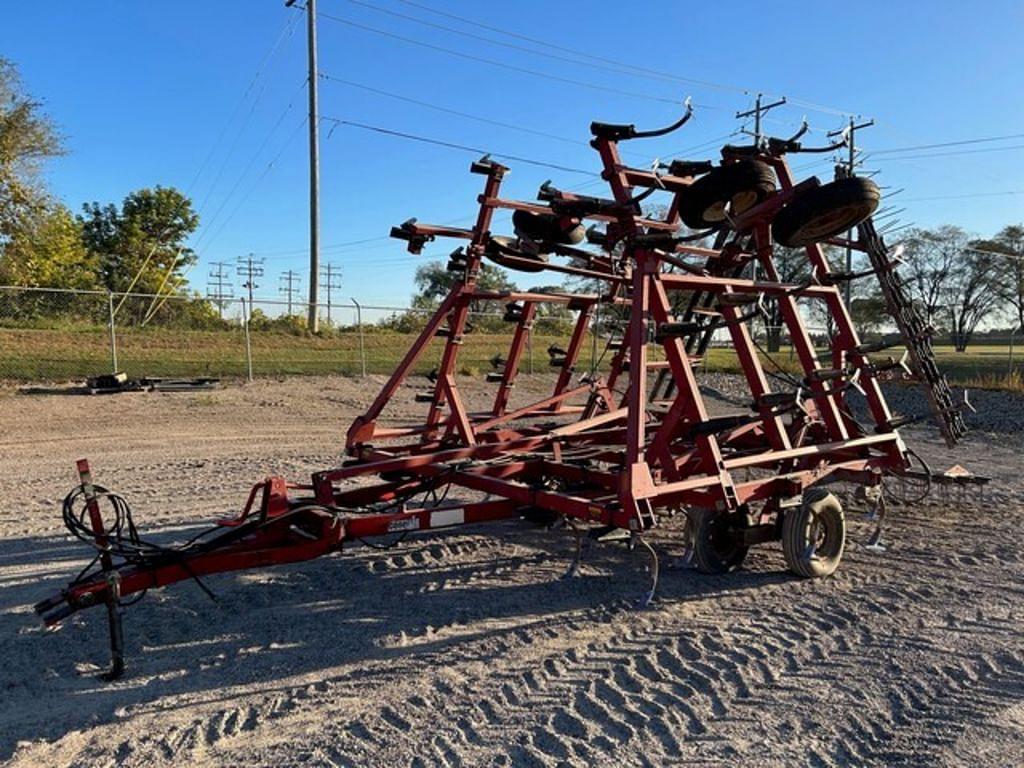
{"x": 615, "y": 448}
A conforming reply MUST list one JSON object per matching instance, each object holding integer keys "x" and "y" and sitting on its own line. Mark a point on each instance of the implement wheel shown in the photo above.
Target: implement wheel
{"x": 728, "y": 189}
{"x": 500, "y": 249}
{"x": 716, "y": 540}
{"x": 826, "y": 211}
{"x": 546, "y": 228}
{"x": 814, "y": 535}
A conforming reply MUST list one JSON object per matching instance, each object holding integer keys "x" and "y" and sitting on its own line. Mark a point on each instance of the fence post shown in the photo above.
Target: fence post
{"x": 248, "y": 342}
{"x": 362, "y": 344}
{"x": 1009, "y": 364}
{"x": 113, "y": 333}
{"x": 529, "y": 346}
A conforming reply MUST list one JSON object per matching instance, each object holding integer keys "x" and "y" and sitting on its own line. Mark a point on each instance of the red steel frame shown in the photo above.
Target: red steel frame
{"x": 587, "y": 451}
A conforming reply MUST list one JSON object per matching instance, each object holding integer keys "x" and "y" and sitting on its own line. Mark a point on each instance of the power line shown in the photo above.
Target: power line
{"x": 260, "y": 69}
{"x": 621, "y": 64}
{"x": 450, "y": 111}
{"x": 703, "y": 145}
{"x": 297, "y": 251}
{"x": 947, "y": 144}
{"x": 501, "y": 64}
{"x": 352, "y": 243}
{"x": 289, "y": 29}
{"x": 960, "y": 197}
{"x": 619, "y": 69}
{"x": 286, "y": 32}
{"x": 453, "y": 145}
{"x": 249, "y": 165}
{"x": 950, "y": 154}
{"x": 256, "y": 181}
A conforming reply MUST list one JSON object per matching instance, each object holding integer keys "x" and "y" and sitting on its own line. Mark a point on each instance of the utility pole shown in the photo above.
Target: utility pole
{"x": 314, "y": 164}
{"x": 289, "y": 283}
{"x": 332, "y": 282}
{"x": 218, "y": 285}
{"x": 757, "y": 112}
{"x": 250, "y": 269}
{"x": 851, "y": 168}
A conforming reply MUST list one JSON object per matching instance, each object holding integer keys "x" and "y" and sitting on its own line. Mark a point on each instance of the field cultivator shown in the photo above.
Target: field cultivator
{"x": 613, "y": 449}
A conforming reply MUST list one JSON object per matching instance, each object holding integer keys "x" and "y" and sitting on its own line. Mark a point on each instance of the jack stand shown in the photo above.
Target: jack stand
{"x": 113, "y": 596}
{"x": 116, "y": 628}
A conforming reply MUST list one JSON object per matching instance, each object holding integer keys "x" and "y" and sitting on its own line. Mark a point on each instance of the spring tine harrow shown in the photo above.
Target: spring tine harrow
{"x": 615, "y": 449}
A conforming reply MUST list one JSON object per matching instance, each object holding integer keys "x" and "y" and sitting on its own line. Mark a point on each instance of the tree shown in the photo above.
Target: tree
{"x": 1010, "y": 241}
{"x": 975, "y": 294}
{"x": 929, "y": 258}
{"x": 869, "y": 312}
{"x": 953, "y": 284}
{"x": 141, "y": 245}
{"x": 434, "y": 282}
{"x": 27, "y": 139}
{"x": 793, "y": 267}
{"x": 39, "y": 238}
{"x": 46, "y": 250}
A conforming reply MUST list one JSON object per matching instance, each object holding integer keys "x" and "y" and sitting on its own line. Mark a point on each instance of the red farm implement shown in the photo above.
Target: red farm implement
{"x": 608, "y": 450}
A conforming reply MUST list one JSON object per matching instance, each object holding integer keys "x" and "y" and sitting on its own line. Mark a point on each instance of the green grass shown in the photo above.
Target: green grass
{"x": 70, "y": 354}
{"x": 74, "y": 353}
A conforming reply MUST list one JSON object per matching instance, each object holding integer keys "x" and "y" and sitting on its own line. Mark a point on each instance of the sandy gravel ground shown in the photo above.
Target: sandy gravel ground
{"x": 469, "y": 649}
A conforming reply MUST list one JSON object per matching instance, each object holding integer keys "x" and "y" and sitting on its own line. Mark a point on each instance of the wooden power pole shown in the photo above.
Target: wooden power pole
{"x": 314, "y": 166}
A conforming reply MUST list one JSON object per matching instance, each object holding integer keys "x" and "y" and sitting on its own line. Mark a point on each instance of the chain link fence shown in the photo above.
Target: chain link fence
{"x": 65, "y": 335}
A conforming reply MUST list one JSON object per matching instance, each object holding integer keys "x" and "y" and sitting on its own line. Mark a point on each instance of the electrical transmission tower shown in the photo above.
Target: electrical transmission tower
{"x": 250, "y": 269}
{"x": 289, "y": 287}
{"x": 218, "y": 286}
{"x": 758, "y": 110}
{"x": 331, "y": 283}
{"x": 849, "y": 167}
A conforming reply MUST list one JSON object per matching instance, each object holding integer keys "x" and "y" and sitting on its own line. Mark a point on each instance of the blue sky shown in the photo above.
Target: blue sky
{"x": 209, "y": 97}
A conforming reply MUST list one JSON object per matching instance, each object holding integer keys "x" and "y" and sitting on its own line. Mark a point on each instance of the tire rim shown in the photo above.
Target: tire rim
{"x": 831, "y": 223}
{"x": 743, "y": 201}
{"x": 822, "y": 538}
{"x": 715, "y": 212}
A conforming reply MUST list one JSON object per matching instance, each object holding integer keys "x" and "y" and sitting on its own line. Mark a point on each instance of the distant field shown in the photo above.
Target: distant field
{"x": 71, "y": 354}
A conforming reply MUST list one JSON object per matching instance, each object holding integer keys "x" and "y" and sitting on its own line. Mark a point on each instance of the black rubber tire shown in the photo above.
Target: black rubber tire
{"x": 546, "y": 228}
{"x": 741, "y": 185}
{"x": 499, "y": 249}
{"x": 715, "y": 549}
{"x": 814, "y": 535}
{"x": 826, "y": 211}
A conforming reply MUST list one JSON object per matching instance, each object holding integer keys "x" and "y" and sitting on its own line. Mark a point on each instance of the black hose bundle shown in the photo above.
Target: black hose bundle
{"x": 122, "y": 537}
